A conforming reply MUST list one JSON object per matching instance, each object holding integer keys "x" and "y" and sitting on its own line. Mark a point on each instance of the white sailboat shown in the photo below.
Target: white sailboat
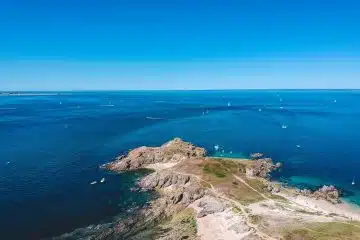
{"x": 353, "y": 181}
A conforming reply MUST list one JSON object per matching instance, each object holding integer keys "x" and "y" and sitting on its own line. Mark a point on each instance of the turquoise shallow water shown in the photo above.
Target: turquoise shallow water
{"x": 51, "y": 146}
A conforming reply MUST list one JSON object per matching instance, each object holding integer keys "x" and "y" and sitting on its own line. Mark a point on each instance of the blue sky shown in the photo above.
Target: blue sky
{"x": 88, "y": 44}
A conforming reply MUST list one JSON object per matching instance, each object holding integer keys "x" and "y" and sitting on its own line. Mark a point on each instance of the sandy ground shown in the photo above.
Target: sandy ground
{"x": 225, "y": 225}
{"x": 286, "y": 213}
{"x": 346, "y": 210}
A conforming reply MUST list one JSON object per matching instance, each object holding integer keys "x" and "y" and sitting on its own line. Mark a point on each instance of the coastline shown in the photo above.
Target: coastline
{"x": 202, "y": 197}
{"x": 290, "y": 193}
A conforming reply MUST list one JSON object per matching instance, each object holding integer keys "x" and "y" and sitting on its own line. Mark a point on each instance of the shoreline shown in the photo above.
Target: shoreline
{"x": 202, "y": 197}
{"x": 351, "y": 210}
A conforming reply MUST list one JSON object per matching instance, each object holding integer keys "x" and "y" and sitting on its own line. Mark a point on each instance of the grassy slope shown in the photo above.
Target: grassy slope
{"x": 181, "y": 226}
{"x": 219, "y": 172}
{"x": 324, "y": 231}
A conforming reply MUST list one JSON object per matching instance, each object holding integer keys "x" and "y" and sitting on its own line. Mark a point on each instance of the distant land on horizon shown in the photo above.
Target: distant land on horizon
{"x": 28, "y": 92}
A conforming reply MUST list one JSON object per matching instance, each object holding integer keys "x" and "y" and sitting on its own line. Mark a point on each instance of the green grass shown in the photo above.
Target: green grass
{"x": 236, "y": 210}
{"x": 255, "y": 219}
{"x": 324, "y": 231}
{"x": 215, "y": 168}
{"x": 182, "y": 225}
{"x": 223, "y": 167}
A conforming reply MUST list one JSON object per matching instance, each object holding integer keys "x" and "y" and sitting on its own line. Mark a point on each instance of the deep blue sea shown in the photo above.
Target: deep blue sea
{"x": 51, "y": 146}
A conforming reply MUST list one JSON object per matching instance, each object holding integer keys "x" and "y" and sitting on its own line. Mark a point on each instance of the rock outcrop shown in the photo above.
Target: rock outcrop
{"x": 261, "y": 168}
{"x": 178, "y": 188}
{"x": 328, "y": 193}
{"x": 256, "y": 155}
{"x": 163, "y": 179}
{"x": 210, "y": 205}
{"x": 175, "y": 150}
{"x": 177, "y": 191}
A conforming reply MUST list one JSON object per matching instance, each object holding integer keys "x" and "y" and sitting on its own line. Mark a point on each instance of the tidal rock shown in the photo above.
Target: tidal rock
{"x": 256, "y": 155}
{"x": 328, "y": 193}
{"x": 134, "y": 189}
{"x": 261, "y": 168}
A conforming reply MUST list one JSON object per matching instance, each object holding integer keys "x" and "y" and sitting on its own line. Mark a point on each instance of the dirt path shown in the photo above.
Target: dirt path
{"x": 303, "y": 207}
{"x": 252, "y": 226}
{"x": 246, "y": 184}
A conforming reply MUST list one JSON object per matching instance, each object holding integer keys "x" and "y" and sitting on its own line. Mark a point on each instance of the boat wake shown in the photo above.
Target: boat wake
{"x": 154, "y": 118}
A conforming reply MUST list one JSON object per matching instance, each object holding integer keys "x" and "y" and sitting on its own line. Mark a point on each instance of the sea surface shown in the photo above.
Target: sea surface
{"x": 51, "y": 146}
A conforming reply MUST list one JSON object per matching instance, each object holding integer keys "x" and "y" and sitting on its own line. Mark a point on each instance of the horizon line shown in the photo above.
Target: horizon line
{"x": 164, "y": 90}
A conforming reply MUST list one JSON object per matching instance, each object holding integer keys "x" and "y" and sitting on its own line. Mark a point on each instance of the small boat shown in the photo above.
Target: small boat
{"x": 281, "y": 100}
{"x": 94, "y": 182}
{"x": 298, "y": 146}
{"x": 230, "y": 152}
{"x": 216, "y": 147}
{"x": 353, "y": 181}
{"x": 229, "y": 104}
{"x": 260, "y": 109}
{"x": 102, "y": 180}
{"x": 335, "y": 101}
{"x": 283, "y": 126}
{"x": 281, "y": 107}
{"x": 60, "y": 103}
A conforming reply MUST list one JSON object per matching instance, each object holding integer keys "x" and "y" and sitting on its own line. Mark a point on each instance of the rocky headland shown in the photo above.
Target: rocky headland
{"x": 208, "y": 198}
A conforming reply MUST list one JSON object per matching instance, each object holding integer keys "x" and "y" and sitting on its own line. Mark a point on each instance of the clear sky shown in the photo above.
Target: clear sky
{"x": 189, "y": 44}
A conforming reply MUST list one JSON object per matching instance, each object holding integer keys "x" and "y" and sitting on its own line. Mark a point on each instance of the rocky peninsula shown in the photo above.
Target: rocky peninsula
{"x": 207, "y": 198}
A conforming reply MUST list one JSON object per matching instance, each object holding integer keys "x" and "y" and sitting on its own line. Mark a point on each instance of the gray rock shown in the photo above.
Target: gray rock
{"x": 261, "y": 168}
{"x": 210, "y": 205}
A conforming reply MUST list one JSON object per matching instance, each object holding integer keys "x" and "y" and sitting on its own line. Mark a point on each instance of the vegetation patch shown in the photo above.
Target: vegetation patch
{"x": 236, "y": 210}
{"x": 324, "y": 231}
{"x": 215, "y": 168}
{"x": 183, "y": 225}
{"x": 255, "y": 219}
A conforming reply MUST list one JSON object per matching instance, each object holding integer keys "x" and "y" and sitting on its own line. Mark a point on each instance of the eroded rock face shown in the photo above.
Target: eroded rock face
{"x": 328, "y": 193}
{"x": 184, "y": 189}
{"x": 262, "y": 168}
{"x": 210, "y": 205}
{"x": 175, "y": 150}
{"x": 163, "y": 179}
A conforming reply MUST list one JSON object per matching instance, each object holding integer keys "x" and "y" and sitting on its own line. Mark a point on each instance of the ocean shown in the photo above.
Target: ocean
{"x": 52, "y": 146}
